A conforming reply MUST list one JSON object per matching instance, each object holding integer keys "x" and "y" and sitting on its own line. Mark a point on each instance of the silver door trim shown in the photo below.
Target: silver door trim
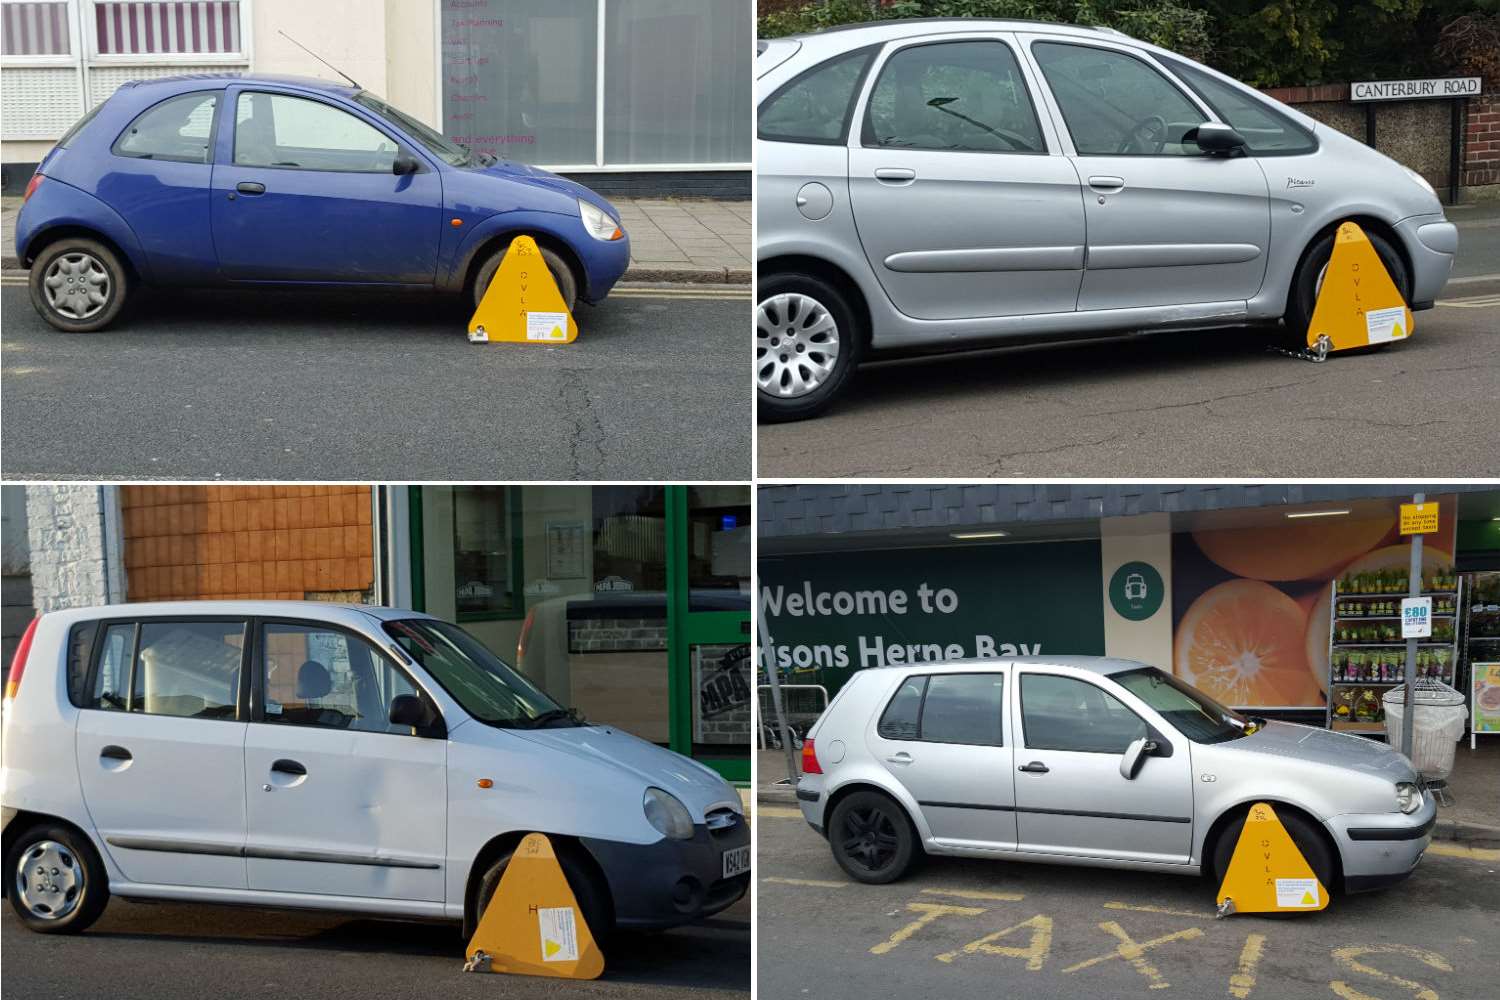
{"x": 1065, "y": 258}
{"x": 169, "y": 846}
{"x": 1106, "y": 258}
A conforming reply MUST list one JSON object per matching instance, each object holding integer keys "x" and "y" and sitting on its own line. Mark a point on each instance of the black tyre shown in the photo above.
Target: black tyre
{"x": 1304, "y": 293}
{"x": 562, "y": 274}
{"x": 872, "y": 838}
{"x": 79, "y": 285}
{"x": 807, "y": 344}
{"x": 1309, "y": 840}
{"x": 57, "y": 884}
{"x": 592, "y": 895}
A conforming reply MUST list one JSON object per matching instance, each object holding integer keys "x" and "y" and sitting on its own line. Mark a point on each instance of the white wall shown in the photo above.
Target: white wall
{"x": 1146, "y": 538}
{"x": 75, "y": 546}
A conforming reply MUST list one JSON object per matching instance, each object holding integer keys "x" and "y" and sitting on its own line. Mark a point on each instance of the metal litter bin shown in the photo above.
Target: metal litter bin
{"x": 1438, "y": 719}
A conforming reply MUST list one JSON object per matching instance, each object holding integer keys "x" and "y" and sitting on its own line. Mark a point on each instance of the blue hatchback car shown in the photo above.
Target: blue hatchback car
{"x": 260, "y": 180}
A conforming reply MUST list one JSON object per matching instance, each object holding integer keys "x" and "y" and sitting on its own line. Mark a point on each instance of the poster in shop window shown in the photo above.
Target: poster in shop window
{"x": 1486, "y": 701}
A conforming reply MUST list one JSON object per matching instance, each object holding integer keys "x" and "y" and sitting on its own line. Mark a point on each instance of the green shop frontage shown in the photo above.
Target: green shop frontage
{"x": 629, "y": 603}
{"x": 1280, "y": 599}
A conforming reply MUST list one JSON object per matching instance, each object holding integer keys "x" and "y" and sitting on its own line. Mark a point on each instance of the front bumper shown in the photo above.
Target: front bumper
{"x": 671, "y": 882}
{"x": 1381, "y": 849}
{"x": 1432, "y": 246}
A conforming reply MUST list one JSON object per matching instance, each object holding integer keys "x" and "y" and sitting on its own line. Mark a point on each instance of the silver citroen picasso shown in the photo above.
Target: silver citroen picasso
{"x": 933, "y": 184}
{"x": 1093, "y": 761}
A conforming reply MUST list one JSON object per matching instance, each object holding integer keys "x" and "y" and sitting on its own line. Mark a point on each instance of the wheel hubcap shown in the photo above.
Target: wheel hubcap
{"x": 869, "y": 839}
{"x": 796, "y": 345}
{"x": 49, "y": 880}
{"x": 77, "y": 285}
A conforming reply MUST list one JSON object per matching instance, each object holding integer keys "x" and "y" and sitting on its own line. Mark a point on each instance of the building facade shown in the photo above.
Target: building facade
{"x": 628, "y": 96}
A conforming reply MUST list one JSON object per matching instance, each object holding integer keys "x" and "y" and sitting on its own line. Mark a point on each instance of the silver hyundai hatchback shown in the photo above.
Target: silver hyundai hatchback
{"x": 1093, "y": 761}
{"x": 932, "y": 184}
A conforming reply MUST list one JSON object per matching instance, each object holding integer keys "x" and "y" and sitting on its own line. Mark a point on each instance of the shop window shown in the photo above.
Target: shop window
{"x": 719, "y": 531}
{"x": 159, "y": 27}
{"x": 35, "y": 29}
{"x": 487, "y": 552}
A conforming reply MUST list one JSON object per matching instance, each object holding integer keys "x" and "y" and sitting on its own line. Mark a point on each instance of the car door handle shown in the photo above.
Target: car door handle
{"x": 895, "y": 175}
{"x": 901, "y": 758}
{"x": 113, "y": 752}
{"x": 1106, "y": 183}
{"x": 1035, "y": 767}
{"x": 285, "y": 766}
{"x": 250, "y": 187}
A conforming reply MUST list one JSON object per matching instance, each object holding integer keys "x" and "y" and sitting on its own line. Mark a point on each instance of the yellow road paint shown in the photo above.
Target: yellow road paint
{"x": 522, "y": 304}
{"x": 1135, "y": 952}
{"x": 1035, "y": 953}
{"x": 975, "y": 894}
{"x": 820, "y": 883}
{"x": 680, "y": 293}
{"x": 1267, "y": 874}
{"x": 1349, "y": 959}
{"x": 533, "y": 924}
{"x": 1358, "y": 304}
{"x": 776, "y": 812}
{"x": 1243, "y": 980}
{"x": 1463, "y": 851}
{"x": 1472, "y": 302}
{"x": 929, "y": 912}
{"x": 1158, "y": 909}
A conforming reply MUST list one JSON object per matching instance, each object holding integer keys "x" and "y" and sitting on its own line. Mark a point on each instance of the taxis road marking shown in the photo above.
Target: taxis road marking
{"x": 975, "y": 894}
{"x": 1158, "y": 909}
{"x": 1463, "y": 851}
{"x": 1135, "y": 952}
{"x": 1243, "y": 980}
{"x": 1472, "y": 302}
{"x": 679, "y": 293}
{"x": 929, "y": 912}
{"x": 819, "y": 883}
{"x": 1035, "y": 953}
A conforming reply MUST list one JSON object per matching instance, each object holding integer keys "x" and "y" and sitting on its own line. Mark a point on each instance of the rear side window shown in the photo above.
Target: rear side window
{"x": 947, "y": 708}
{"x": 80, "y": 651}
{"x": 1267, "y": 131}
{"x": 816, "y": 105}
{"x": 961, "y": 96}
{"x": 111, "y": 687}
{"x": 179, "y": 129}
{"x": 78, "y": 125}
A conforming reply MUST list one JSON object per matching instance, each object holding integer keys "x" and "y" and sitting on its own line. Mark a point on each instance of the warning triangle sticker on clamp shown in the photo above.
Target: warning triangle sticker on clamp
{"x": 533, "y": 925}
{"x": 1358, "y": 304}
{"x": 1267, "y": 873}
{"x": 522, "y": 304}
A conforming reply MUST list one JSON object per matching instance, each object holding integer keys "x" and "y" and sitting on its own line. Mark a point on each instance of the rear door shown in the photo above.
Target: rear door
{"x": 161, "y": 749}
{"x": 1069, "y": 794}
{"x": 341, "y": 802}
{"x": 304, "y": 191}
{"x": 1167, "y": 223}
{"x": 942, "y": 736}
{"x": 964, "y": 203}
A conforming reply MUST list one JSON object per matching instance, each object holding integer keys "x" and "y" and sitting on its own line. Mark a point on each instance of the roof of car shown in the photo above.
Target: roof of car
{"x": 1105, "y": 665}
{"x": 186, "y": 81}
{"x": 267, "y": 609}
{"x": 879, "y": 31}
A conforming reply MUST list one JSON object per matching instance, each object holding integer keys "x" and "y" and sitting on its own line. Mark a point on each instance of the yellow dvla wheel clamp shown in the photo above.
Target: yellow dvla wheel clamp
{"x": 1358, "y": 304}
{"x": 533, "y": 925}
{"x": 522, "y": 304}
{"x": 1267, "y": 873}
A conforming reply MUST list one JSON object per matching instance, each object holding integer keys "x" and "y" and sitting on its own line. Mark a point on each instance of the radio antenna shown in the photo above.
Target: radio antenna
{"x": 319, "y": 58}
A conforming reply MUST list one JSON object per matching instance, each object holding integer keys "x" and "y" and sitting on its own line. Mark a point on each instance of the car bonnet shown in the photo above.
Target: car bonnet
{"x": 537, "y": 177}
{"x": 1284, "y": 739}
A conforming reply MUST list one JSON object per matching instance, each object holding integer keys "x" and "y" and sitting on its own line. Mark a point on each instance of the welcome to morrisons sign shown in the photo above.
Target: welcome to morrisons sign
{"x": 1412, "y": 90}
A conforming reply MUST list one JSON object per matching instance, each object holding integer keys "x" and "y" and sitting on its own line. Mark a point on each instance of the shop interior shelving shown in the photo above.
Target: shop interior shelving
{"x": 1366, "y": 654}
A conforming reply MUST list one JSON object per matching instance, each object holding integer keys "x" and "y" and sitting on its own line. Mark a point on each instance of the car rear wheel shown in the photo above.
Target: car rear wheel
{"x": 593, "y": 897}
{"x": 807, "y": 344}
{"x": 79, "y": 285}
{"x": 871, "y": 838}
{"x": 1308, "y": 282}
{"x": 57, "y": 882}
{"x": 1309, "y": 840}
{"x": 562, "y": 275}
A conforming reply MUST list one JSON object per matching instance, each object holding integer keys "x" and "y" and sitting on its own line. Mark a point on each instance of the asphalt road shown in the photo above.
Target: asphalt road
{"x": 1080, "y": 932}
{"x": 165, "y": 951}
{"x": 213, "y": 385}
{"x": 1211, "y": 404}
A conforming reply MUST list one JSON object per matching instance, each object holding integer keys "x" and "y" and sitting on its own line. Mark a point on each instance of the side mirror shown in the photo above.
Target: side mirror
{"x": 404, "y": 164}
{"x": 1212, "y": 137}
{"x": 1135, "y": 755}
{"x": 408, "y": 710}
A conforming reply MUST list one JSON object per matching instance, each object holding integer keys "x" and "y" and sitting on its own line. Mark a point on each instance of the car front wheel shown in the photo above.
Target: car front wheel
{"x": 1308, "y": 283}
{"x": 58, "y": 884}
{"x": 807, "y": 344}
{"x": 593, "y": 898}
{"x": 1314, "y": 847}
{"x": 79, "y": 285}
{"x": 562, "y": 275}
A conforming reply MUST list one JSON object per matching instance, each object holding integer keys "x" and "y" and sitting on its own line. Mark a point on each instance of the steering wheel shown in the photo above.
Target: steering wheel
{"x": 1152, "y": 128}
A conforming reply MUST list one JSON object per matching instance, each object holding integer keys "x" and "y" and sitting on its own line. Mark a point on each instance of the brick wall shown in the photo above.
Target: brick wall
{"x": 1482, "y": 142}
{"x": 247, "y": 542}
{"x": 617, "y": 635}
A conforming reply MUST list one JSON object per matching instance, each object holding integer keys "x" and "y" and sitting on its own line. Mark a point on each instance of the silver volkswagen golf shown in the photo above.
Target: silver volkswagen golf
{"x": 1093, "y": 761}
{"x": 933, "y": 184}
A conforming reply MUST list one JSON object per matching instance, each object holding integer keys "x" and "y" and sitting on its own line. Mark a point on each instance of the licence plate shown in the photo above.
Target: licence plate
{"x": 737, "y": 861}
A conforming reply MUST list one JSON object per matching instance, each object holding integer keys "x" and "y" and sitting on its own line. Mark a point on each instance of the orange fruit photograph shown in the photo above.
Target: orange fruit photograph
{"x": 1241, "y": 642}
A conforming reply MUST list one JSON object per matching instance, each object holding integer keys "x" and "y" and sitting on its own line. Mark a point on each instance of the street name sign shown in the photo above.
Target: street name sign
{"x": 1415, "y": 90}
{"x": 1419, "y": 518}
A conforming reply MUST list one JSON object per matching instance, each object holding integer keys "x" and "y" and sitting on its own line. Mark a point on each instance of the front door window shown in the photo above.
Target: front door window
{"x": 277, "y": 130}
{"x": 1115, "y": 104}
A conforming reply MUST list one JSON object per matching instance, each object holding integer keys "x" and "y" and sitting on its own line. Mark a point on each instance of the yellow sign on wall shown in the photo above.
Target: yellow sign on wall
{"x": 1419, "y": 518}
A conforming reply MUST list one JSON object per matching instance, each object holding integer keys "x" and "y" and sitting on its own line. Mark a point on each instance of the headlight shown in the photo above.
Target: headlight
{"x": 668, "y": 815}
{"x": 1408, "y": 797}
{"x": 1422, "y": 181}
{"x": 598, "y": 222}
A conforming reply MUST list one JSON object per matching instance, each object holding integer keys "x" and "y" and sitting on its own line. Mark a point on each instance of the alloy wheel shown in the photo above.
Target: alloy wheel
{"x": 796, "y": 345}
{"x": 78, "y": 285}
{"x": 49, "y": 880}
{"x": 869, "y": 838}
